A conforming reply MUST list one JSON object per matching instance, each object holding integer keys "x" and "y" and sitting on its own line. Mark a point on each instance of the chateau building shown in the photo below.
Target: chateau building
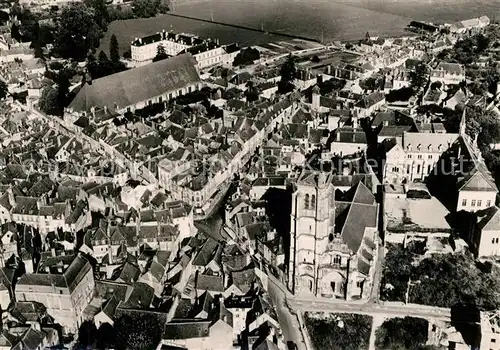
{"x": 333, "y": 238}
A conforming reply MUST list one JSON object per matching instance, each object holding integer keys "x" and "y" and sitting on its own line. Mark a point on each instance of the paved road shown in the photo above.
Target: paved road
{"x": 288, "y": 321}
{"x": 371, "y": 309}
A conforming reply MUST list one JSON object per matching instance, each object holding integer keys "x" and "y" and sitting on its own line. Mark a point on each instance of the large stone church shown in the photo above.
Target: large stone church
{"x": 334, "y": 236}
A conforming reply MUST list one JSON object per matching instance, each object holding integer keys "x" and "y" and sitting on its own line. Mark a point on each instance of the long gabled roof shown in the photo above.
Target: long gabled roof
{"x": 127, "y": 88}
{"x": 479, "y": 180}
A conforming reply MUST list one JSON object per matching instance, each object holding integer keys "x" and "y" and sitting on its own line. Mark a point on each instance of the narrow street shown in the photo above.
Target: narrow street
{"x": 288, "y": 321}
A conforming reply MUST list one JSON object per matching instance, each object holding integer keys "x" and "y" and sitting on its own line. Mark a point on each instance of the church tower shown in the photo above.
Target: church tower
{"x": 312, "y": 205}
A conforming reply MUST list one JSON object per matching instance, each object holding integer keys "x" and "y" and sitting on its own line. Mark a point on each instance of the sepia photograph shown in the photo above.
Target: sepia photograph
{"x": 250, "y": 174}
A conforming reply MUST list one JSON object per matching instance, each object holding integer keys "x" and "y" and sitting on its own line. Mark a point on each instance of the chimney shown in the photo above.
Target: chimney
{"x": 338, "y": 136}
{"x": 53, "y": 252}
{"x": 386, "y": 123}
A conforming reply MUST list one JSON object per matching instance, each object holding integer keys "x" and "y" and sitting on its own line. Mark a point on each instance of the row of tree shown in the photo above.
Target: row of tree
{"x": 443, "y": 280}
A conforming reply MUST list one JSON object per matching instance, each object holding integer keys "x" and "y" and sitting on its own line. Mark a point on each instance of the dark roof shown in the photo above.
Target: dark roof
{"x": 70, "y": 278}
{"x": 186, "y": 329}
{"x": 139, "y": 84}
{"x": 359, "y": 217}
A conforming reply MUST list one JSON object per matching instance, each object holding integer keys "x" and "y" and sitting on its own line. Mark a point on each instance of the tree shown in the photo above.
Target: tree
{"x": 246, "y": 56}
{"x": 3, "y": 89}
{"x": 161, "y": 54}
{"x": 114, "y": 51}
{"x": 288, "y": 71}
{"x": 252, "y": 93}
{"x": 87, "y": 334}
{"x": 339, "y": 331}
{"x": 14, "y": 32}
{"x": 77, "y": 32}
{"x": 105, "y": 336}
{"x": 145, "y": 8}
{"x": 140, "y": 332}
{"x": 402, "y": 333}
{"x": 49, "y": 101}
{"x": 102, "y": 57}
{"x": 418, "y": 76}
{"x": 63, "y": 84}
{"x": 101, "y": 15}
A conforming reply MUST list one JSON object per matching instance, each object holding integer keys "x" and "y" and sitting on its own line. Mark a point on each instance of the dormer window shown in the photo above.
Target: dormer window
{"x": 440, "y": 148}
{"x": 408, "y": 147}
{"x": 430, "y": 148}
{"x": 419, "y": 147}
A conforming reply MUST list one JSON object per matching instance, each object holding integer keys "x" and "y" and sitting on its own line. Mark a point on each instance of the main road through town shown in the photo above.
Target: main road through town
{"x": 287, "y": 307}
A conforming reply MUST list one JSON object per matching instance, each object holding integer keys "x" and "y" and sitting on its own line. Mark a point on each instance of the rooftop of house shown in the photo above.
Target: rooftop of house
{"x": 70, "y": 276}
{"x": 408, "y": 212}
{"x": 179, "y": 38}
{"x": 132, "y": 86}
{"x": 428, "y": 142}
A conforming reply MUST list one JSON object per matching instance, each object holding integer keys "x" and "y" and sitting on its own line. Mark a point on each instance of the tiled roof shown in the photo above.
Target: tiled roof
{"x": 359, "y": 217}
{"x": 186, "y": 329}
{"x": 139, "y": 84}
{"x": 491, "y": 220}
{"x": 429, "y": 142}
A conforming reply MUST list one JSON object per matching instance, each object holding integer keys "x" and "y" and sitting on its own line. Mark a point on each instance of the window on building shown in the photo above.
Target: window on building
{"x": 464, "y": 202}
{"x": 306, "y": 202}
{"x": 310, "y": 285}
{"x": 479, "y": 202}
{"x": 496, "y": 240}
{"x": 429, "y": 169}
{"x": 409, "y": 156}
{"x": 337, "y": 259}
{"x": 395, "y": 169}
{"x": 418, "y": 169}
{"x": 419, "y": 156}
{"x": 493, "y": 240}
{"x": 493, "y": 340}
{"x": 488, "y": 203}
{"x": 473, "y": 203}
{"x": 313, "y": 201}
{"x": 408, "y": 169}
{"x": 429, "y": 156}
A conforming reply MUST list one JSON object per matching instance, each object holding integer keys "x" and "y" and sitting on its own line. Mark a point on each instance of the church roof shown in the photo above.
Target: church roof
{"x": 135, "y": 85}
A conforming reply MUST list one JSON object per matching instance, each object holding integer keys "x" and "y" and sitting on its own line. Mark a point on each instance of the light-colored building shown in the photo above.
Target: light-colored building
{"x": 470, "y": 24}
{"x": 206, "y": 52}
{"x": 448, "y": 73}
{"x": 138, "y": 87}
{"x": 329, "y": 257}
{"x": 490, "y": 330}
{"x": 64, "y": 285}
{"x": 417, "y": 156}
{"x": 145, "y": 49}
{"x": 485, "y": 242}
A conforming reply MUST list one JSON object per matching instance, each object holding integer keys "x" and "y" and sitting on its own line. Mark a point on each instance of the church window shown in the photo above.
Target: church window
{"x": 306, "y": 202}
{"x": 337, "y": 259}
{"x": 313, "y": 201}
